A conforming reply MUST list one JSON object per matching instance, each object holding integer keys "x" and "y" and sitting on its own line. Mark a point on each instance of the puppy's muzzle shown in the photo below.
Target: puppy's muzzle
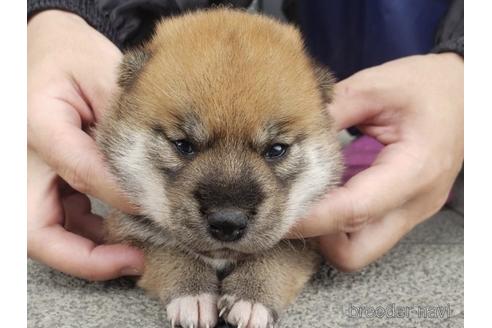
{"x": 227, "y": 224}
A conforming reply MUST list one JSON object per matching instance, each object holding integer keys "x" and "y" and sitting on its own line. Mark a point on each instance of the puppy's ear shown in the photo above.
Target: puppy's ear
{"x": 130, "y": 67}
{"x": 326, "y": 81}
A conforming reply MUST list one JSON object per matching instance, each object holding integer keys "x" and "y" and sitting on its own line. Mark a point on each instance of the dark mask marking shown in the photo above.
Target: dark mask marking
{"x": 242, "y": 192}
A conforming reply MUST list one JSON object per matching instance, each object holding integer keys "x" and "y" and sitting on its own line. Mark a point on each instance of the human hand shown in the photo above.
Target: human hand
{"x": 413, "y": 106}
{"x": 71, "y": 74}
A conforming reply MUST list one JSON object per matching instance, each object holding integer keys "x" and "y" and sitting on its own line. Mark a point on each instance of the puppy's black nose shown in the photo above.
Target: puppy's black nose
{"x": 227, "y": 224}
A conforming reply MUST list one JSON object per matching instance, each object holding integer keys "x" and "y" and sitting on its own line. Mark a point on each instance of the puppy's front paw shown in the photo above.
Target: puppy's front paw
{"x": 198, "y": 311}
{"x": 246, "y": 314}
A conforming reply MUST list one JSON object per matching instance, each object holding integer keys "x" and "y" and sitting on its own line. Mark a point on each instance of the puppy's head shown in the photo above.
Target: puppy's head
{"x": 220, "y": 132}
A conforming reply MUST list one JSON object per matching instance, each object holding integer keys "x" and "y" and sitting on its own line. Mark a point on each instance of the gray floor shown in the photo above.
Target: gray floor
{"x": 418, "y": 284}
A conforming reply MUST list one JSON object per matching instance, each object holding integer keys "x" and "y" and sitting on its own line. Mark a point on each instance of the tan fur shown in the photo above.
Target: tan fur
{"x": 225, "y": 61}
{"x": 233, "y": 84}
{"x": 283, "y": 270}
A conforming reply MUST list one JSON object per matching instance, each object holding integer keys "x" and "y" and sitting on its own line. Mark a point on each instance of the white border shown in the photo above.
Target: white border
{"x": 13, "y": 161}
{"x": 478, "y": 164}
{"x": 478, "y": 146}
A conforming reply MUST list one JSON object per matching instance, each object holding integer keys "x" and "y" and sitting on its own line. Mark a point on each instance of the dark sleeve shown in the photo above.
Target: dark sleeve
{"x": 126, "y": 23}
{"x": 86, "y": 9}
{"x": 450, "y": 36}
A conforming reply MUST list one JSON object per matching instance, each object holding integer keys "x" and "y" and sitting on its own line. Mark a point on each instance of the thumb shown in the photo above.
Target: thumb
{"x": 74, "y": 155}
{"x": 364, "y": 198}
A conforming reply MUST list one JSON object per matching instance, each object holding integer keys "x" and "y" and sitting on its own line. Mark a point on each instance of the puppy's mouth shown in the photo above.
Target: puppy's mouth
{"x": 224, "y": 253}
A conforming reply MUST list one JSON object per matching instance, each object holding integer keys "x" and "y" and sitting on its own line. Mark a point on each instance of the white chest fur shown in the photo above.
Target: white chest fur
{"x": 217, "y": 264}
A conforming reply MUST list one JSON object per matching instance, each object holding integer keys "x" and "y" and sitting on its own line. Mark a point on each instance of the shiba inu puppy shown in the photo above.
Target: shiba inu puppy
{"x": 220, "y": 135}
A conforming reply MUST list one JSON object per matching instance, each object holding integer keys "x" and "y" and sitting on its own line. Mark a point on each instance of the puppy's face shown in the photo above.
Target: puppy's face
{"x": 220, "y": 134}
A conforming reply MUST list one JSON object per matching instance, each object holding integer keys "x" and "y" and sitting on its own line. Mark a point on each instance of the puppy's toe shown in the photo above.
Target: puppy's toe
{"x": 198, "y": 311}
{"x": 260, "y": 317}
{"x": 246, "y": 314}
{"x": 239, "y": 314}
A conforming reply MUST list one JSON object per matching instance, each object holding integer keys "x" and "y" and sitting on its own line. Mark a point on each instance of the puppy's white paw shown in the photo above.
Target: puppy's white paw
{"x": 246, "y": 314}
{"x": 198, "y": 311}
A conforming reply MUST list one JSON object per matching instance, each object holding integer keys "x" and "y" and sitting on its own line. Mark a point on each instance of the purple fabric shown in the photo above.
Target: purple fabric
{"x": 359, "y": 155}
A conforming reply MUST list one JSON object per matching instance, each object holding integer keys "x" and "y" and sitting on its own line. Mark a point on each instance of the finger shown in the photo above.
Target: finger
{"x": 388, "y": 184}
{"x": 80, "y": 220}
{"x": 43, "y": 204}
{"x": 78, "y": 161}
{"x": 101, "y": 89}
{"x": 352, "y": 252}
{"x": 354, "y": 101}
{"x": 80, "y": 257}
{"x": 75, "y": 157}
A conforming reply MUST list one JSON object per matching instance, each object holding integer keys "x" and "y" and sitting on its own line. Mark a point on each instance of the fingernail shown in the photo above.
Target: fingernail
{"x": 129, "y": 271}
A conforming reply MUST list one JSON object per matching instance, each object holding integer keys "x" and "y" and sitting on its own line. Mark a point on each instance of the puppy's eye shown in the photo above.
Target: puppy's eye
{"x": 184, "y": 147}
{"x": 276, "y": 151}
